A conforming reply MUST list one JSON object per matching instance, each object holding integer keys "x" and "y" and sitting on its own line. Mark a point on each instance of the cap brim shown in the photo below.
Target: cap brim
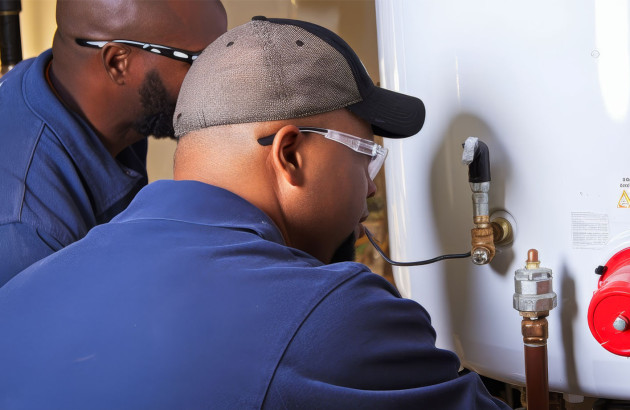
{"x": 392, "y": 114}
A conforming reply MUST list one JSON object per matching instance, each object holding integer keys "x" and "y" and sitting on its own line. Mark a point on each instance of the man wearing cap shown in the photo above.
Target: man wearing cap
{"x": 74, "y": 121}
{"x": 231, "y": 286}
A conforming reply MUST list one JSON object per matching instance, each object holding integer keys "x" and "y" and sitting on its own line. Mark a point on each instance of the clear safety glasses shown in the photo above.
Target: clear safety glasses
{"x": 360, "y": 145}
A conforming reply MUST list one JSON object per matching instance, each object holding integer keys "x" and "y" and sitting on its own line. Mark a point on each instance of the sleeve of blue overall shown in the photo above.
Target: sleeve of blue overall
{"x": 365, "y": 347}
{"x": 21, "y": 245}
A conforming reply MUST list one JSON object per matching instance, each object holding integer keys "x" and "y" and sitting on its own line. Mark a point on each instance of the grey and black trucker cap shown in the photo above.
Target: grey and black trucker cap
{"x": 278, "y": 69}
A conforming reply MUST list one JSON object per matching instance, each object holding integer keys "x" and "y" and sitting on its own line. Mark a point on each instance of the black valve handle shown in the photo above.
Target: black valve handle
{"x": 479, "y": 168}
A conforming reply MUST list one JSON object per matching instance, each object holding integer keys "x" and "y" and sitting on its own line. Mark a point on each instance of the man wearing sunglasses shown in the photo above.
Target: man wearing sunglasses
{"x": 220, "y": 289}
{"x": 74, "y": 121}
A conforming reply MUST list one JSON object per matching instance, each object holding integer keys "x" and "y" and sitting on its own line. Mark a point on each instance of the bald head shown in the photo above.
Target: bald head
{"x": 168, "y": 22}
{"x": 127, "y": 92}
{"x": 223, "y": 155}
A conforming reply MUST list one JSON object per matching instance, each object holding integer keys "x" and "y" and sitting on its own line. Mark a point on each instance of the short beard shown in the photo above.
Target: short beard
{"x": 157, "y": 108}
{"x": 346, "y": 251}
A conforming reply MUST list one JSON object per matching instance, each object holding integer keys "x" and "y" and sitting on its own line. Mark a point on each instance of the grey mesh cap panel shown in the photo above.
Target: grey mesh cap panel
{"x": 262, "y": 71}
{"x": 276, "y": 69}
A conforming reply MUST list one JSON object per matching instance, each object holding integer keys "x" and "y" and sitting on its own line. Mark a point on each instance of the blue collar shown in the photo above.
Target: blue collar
{"x": 198, "y": 203}
{"x": 107, "y": 178}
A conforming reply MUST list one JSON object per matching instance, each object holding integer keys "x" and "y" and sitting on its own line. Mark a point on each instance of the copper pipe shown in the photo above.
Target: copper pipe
{"x": 536, "y": 374}
{"x": 537, "y": 386}
{"x": 534, "y": 298}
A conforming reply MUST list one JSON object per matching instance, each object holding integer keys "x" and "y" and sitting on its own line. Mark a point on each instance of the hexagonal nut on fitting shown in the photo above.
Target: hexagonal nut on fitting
{"x": 534, "y": 290}
{"x": 537, "y": 303}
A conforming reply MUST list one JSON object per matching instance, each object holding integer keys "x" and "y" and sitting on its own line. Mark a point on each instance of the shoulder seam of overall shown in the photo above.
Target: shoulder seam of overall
{"x": 28, "y": 167}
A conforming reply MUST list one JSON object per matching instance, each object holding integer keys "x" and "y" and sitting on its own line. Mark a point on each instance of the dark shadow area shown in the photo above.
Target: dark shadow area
{"x": 568, "y": 312}
{"x": 503, "y": 391}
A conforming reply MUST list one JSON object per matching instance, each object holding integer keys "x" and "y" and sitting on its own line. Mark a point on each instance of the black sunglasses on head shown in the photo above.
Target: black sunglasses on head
{"x": 170, "y": 52}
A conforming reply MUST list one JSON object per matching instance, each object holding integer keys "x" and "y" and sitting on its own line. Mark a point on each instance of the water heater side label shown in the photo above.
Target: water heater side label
{"x": 589, "y": 230}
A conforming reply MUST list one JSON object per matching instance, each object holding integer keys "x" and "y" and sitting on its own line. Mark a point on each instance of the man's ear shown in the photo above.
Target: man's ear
{"x": 116, "y": 60}
{"x": 287, "y": 156}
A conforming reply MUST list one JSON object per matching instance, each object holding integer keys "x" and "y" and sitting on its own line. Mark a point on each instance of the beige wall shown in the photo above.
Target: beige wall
{"x": 354, "y": 20}
{"x": 37, "y": 22}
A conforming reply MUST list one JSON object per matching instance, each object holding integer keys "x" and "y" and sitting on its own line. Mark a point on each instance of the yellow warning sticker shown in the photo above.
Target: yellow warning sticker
{"x": 624, "y": 201}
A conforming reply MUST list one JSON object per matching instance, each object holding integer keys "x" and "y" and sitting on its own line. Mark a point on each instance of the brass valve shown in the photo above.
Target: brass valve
{"x": 489, "y": 234}
{"x": 483, "y": 249}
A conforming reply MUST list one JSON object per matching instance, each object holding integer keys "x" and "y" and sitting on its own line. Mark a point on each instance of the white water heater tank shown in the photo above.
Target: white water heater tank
{"x": 546, "y": 85}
